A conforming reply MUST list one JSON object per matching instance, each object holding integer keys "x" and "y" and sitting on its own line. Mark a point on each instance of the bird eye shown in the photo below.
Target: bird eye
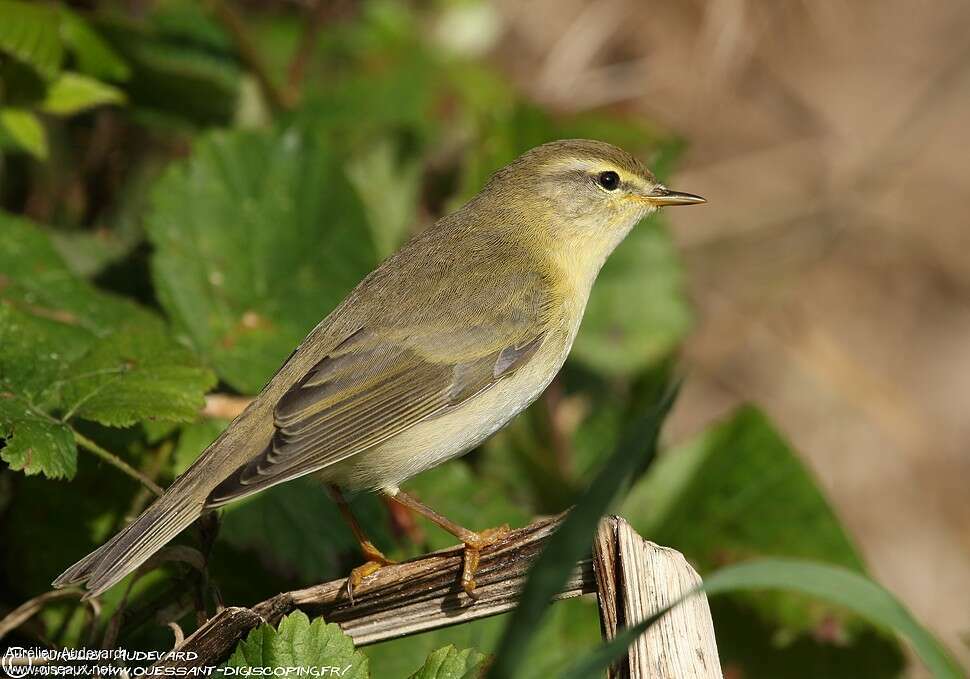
{"x": 609, "y": 180}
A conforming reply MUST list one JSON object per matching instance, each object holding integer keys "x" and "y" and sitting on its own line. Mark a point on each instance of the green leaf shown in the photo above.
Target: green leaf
{"x": 299, "y": 643}
{"x": 735, "y": 492}
{"x": 176, "y": 80}
{"x": 73, "y": 92}
{"x": 835, "y": 584}
{"x": 449, "y": 663}
{"x": 136, "y": 373}
{"x": 296, "y": 530}
{"x": 29, "y": 32}
{"x": 458, "y": 492}
{"x": 257, "y": 237}
{"x": 34, "y": 443}
{"x": 388, "y": 188}
{"x": 572, "y": 539}
{"x": 24, "y": 130}
{"x": 68, "y": 350}
{"x": 95, "y": 57}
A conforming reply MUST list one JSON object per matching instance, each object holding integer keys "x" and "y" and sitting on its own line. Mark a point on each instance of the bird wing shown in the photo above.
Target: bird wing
{"x": 374, "y": 385}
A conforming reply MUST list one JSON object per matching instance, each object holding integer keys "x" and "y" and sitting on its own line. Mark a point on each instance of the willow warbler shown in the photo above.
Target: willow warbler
{"x": 440, "y": 346}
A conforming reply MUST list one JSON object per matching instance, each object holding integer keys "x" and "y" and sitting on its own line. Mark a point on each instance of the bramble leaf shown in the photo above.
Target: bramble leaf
{"x": 68, "y": 350}
{"x": 299, "y": 643}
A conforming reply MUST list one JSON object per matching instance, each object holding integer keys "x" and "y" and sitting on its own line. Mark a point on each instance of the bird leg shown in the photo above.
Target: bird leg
{"x": 475, "y": 542}
{"x": 374, "y": 558}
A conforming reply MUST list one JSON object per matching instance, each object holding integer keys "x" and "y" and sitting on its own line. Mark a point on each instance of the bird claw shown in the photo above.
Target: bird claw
{"x": 473, "y": 553}
{"x": 375, "y": 561}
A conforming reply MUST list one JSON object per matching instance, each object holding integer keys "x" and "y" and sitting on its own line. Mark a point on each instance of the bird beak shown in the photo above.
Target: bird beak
{"x": 661, "y": 196}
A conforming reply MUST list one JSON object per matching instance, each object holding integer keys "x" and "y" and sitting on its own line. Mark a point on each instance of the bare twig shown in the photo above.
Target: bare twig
{"x": 116, "y": 462}
{"x": 298, "y": 64}
{"x": 250, "y": 54}
{"x": 29, "y": 609}
{"x": 400, "y": 599}
{"x": 225, "y": 406}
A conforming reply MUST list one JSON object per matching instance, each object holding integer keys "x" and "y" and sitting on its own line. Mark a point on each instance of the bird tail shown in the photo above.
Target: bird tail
{"x": 135, "y": 544}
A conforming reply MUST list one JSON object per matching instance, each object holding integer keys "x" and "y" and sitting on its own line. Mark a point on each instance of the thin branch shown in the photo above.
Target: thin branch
{"x": 225, "y": 406}
{"x": 116, "y": 462}
{"x": 249, "y": 54}
{"x": 301, "y": 58}
{"x": 29, "y": 609}
{"x": 399, "y": 600}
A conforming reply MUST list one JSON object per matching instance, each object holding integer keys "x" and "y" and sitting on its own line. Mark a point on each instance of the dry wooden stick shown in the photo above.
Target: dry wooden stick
{"x": 398, "y": 600}
{"x": 637, "y": 578}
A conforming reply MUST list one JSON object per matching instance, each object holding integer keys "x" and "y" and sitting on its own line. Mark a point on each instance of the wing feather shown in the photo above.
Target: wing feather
{"x": 359, "y": 396}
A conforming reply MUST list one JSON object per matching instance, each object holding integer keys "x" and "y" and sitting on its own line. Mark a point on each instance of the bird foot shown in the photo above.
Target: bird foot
{"x": 473, "y": 552}
{"x": 375, "y": 561}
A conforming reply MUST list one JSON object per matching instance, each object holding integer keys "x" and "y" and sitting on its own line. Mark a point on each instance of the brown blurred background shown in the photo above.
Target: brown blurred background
{"x": 830, "y": 271}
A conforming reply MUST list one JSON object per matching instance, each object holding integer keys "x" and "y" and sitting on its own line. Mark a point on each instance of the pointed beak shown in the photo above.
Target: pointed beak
{"x": 662, "y": 196}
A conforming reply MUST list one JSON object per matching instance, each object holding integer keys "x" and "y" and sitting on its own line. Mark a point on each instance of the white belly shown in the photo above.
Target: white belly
{"x": 433, "y": 441}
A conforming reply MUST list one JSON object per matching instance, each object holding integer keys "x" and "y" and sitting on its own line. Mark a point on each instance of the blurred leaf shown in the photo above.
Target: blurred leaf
{"x": 67, "y": 349}
{"x": 835, "y": 584}
{"x": 25, "y": 130}
{"x": 300, "y": 643}
{"x": 70, "y": 93}
{"x": 573, "y": 538}
{"x": 637, "y": 312}
{"x": 733, "y": 493}
{"x": 95, "y": 57}
{"x": 193, "y": 439}
{"x": 30, "y": 32}
{"x": 176, "y": 80}
{"x": 571, "y": 627}
{"x": 756, "y": 648}
{"x": 297, "y": 531}
{"x": 388, "y": 189}
{"x": 844, "y": 588}
{"x": 449, "y": 663}
{"x": 257, "y": 237}
{"x": 467, "y": 498}
{"x": 33, "y": 442}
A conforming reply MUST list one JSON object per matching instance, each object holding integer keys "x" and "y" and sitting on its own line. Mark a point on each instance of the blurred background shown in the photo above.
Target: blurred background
{"x": 818, "y": 306}
{"x": 830, "y": 274}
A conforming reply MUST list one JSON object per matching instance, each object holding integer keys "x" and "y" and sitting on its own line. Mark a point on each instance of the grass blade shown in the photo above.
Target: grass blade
{"x": 573, "y": 538}
{"x": 833, "y": 583}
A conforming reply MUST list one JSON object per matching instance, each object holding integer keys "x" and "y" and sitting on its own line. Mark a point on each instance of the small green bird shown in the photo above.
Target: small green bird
{"x": 436, "y": 349}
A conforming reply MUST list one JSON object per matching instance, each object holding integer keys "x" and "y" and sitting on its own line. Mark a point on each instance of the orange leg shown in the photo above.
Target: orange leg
{"x": 375, "y": 559}
{"x": 474, "y": 542}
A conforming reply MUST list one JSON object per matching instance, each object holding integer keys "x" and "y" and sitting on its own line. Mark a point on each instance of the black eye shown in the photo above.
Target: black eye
{"x": 609, "y": 180}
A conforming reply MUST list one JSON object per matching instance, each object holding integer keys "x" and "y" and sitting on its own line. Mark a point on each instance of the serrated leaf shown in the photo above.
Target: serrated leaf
{"x": 29, "y": 32}
{"x": 33, "y": 443}
{"x": 257, "y": 237}
{"x": 25, "y": 130}
{"x": 68, "y": 350}
{"x": 136, "y": 373}
{"x": 450, "y": 663}
{"x": 70, "y": 93}
{"x": 298, "y": 643}
{"x": 95, "y": 57}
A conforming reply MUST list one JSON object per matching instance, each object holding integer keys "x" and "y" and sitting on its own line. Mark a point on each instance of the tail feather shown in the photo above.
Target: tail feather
{"x": 133, "y": 545}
